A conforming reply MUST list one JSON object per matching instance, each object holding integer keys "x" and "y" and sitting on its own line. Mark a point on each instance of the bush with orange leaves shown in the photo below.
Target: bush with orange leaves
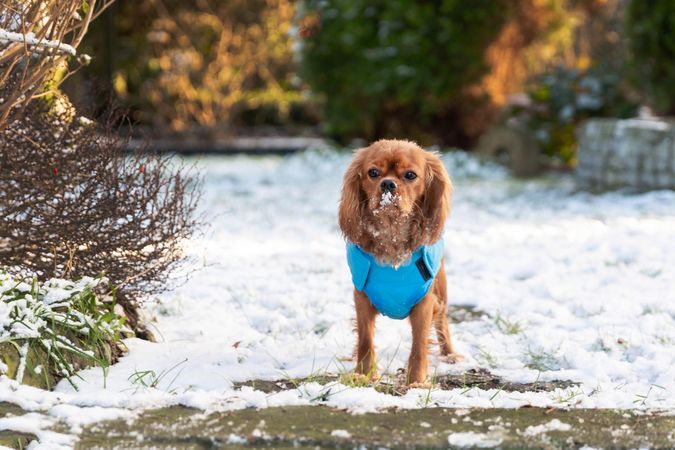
{"x": 204, "y": 65}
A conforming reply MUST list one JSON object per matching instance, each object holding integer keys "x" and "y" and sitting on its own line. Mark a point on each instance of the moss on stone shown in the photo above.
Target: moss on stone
{"x": 311, "y": 426}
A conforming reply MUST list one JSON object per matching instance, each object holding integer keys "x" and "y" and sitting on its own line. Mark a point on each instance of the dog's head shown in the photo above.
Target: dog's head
{"x": 399, "y": 180}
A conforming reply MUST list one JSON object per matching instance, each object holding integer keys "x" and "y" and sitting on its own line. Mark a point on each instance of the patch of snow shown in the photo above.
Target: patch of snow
{"x": 553, "y": 425}
{"x": 79, "y": 416}
{"x": 343, "y": 434}
{"x": 470, "y": 439}
{"x": 31, "y": 40}
{"x": 37, "y": 425}
{"x": 236, "y": 439}
{"x": 388, "y": 198}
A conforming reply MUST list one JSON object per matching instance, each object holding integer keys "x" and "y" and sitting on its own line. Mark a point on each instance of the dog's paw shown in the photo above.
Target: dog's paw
{"x": 359, "y": 379}
{"x": 452, "y": 358}
{"x": 375, "y": 376}
{"x": 420, "y": 385}
{"x": 402, "y": 387}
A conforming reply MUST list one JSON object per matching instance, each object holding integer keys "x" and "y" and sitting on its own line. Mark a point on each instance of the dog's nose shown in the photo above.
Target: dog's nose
{"x": 388, "y": 185}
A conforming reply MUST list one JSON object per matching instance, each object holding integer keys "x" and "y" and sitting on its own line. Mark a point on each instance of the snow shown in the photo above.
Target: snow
{"x": 587, "y": 278}
{"x": 553, "y": 425}
{"x": 37, "y": 424}
{"x": 236, "y": 440}
{"x": 30, "y": 311}
{"x": 50, "y": 294}
{"x": 32, "y": 40}
{"x": 472, "y": 440}
{"x": 343, "y": 434}
{"x": 387, "y": 198}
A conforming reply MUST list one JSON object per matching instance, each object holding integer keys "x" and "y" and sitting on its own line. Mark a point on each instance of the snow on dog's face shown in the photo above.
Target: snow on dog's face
{"x": 394, "y": 183}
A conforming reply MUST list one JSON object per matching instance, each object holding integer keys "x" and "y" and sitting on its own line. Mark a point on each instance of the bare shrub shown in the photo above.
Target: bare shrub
{"x": 72, "y": 204}
{"x": 36, "y": 39}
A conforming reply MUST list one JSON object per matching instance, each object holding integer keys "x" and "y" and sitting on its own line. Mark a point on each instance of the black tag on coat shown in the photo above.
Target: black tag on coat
{"x": 426, "y": 275}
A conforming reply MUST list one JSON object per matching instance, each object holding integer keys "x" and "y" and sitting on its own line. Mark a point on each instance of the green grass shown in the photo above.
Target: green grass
{"x": 508, "y": 326}
{"x": 642, "y": 398}
{"x": 424, "y": 400}
{"x": 46, "y": 337}
{"x": 486, "y": 358}
{"x": 152, "y": 379}
{"x": 541, "y": 360}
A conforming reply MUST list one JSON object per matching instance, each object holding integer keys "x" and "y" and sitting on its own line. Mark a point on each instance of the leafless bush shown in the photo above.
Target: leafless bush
{"x": 72, "y": 204}
{"x": 36, "y": 39}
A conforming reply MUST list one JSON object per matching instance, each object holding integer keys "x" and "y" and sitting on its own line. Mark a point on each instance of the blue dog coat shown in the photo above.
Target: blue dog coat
{"x": 394, "y": 292}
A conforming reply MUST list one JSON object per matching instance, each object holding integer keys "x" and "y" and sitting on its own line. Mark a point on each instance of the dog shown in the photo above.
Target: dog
{"x": 394, "y": 204}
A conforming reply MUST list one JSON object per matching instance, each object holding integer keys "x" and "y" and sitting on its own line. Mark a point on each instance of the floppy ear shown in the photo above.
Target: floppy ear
{"x": 352, "y": 201}
{"x": 437, "y": 196}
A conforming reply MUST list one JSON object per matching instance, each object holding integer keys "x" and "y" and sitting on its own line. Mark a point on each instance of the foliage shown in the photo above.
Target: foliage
{"x": 650, "y": 27}
{"x": 36, "y": 39}
{"x": 395, "y": 68}
{"x": 557, "y": 101}
{"x": 55, "y": 327}
{"x": 202, "y": 64}
{"x": 71, "y": 204}
{"x": 535, "y": 35}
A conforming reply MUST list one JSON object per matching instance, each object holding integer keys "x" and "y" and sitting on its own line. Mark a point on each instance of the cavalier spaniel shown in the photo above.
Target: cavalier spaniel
{"x": 395, "y": 200}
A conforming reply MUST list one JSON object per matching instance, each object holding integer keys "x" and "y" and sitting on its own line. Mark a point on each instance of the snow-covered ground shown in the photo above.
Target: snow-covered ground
{"x": 574, "y": 286}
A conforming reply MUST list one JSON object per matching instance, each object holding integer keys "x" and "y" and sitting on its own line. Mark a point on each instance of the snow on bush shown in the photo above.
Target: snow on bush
{"x": 72, "y": 204}
{"x": 38, "y": 39}
{"x": 30, "y": 40}
{"x": 62, "y": 321}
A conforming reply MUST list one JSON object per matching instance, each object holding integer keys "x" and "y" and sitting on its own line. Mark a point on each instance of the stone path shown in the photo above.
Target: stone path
{"x": 323, "y": 427}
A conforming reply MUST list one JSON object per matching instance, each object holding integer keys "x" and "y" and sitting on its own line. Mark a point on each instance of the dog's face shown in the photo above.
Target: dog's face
{"x": 392, "y": 178}
{"x": 397, "y": 180}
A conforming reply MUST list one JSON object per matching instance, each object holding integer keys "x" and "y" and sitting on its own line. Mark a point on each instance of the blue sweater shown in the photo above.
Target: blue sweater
{"x": 394, "y": 292}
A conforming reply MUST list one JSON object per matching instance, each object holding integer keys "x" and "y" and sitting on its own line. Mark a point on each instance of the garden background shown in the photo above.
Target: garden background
{"x": 172, "y": 273}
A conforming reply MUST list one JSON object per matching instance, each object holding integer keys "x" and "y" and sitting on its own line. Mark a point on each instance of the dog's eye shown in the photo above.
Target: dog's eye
{"x": 373, "y": 173}
{"x": 410, "y": 175}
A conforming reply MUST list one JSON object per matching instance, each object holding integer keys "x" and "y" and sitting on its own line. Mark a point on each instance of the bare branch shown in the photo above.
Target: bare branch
{"x": 73, "y": 204}
{"x": 36, "y": 38}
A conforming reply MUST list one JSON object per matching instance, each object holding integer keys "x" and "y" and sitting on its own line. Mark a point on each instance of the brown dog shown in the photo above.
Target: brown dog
{"x": 395, "y": 199}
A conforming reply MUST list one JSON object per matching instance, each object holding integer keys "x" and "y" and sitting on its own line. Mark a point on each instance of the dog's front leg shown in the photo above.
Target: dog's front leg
{"x": 365, "y": 329}
{"x": 420, "y": 320}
